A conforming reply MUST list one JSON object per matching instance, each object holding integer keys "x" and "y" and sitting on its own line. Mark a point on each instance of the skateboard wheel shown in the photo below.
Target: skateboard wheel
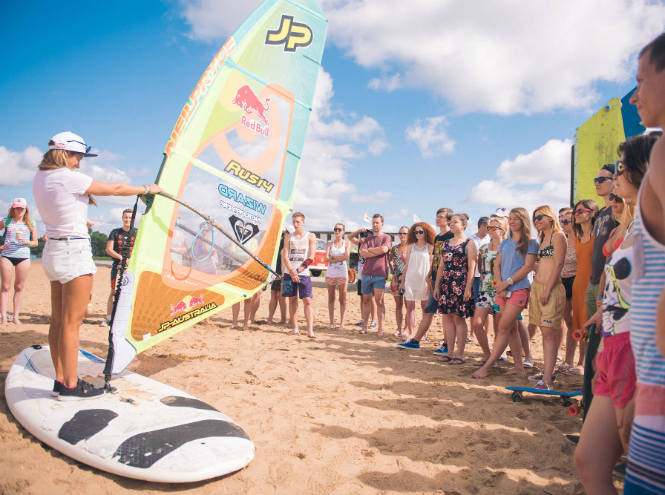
{"x": 516, "y": 397}
{"x": 574, "y": 410}
{"x": 578, "y": 334}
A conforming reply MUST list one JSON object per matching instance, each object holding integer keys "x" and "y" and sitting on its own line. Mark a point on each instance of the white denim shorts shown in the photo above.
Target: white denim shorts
{"x": 63, "y": 261}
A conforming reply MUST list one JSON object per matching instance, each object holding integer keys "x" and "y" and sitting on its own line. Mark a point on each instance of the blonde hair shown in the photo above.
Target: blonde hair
{"x": 548, "y": 211}
{"x": 504, "y": 225}
{"x": 53, "y": 159}
{"x": 525, "y": 232}
{"x": 297, "y": 214}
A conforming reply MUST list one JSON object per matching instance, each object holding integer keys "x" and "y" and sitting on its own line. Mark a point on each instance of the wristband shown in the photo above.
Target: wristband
{"x": 307, "y": 262}
{"x": 147, "y": 189}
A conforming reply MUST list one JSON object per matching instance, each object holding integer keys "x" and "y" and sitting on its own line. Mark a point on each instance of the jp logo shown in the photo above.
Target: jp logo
{"x": 243, "y": 231}
{"x": 291, "y": 34}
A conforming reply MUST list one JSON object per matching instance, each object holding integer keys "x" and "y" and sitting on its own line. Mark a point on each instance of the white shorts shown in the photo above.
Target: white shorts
{"x": 63, "y": 261}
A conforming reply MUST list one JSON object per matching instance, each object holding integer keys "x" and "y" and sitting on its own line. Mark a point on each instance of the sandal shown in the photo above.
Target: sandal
{"x": 444, "y": 359}
{"x": 574, "y": 372}
{"x": 480, "y": 363}
{"x": 456, "y": 361}
{"x": 561, "y": 367}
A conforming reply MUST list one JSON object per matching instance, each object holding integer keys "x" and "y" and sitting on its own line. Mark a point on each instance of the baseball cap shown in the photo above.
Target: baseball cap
{"x": 500, "y": 212}
{"x": 70, "y": 142}
{"x": 19, "y": 202}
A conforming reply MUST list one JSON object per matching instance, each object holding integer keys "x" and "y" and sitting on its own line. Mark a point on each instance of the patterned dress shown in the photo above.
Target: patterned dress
{"x": 453, "y": 281}
{"x": 487, "y": 291}
{"x": 398, "y": 269}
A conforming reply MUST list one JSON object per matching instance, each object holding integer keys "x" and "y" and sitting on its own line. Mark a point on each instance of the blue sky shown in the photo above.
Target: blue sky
{"x": 472, "y": 106}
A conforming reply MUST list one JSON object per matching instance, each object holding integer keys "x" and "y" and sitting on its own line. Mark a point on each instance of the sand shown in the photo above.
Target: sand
{"x": 342, "y": 414}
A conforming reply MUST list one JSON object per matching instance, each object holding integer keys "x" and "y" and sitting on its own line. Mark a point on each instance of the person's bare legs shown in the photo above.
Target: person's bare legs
{"x": 247, "y": 313}
{"x": 450, "y": 333}
{"x": 425, "y": 323}
{"x": 21, "y": 273}
{"x": 235, "y": 311}
{"x": 410, "y": 320}
{"x": 272, "y": 306}
{"x": 366, "y": 308}
{"x": 256, "y": 304}
{"x": 342, "y": 305}
{"x": 309, "y": 316}
{"x": 549, "y": 352}
{"x": 74, "y": 300}
{"x": 480, "y": 316}
{"x": 599, "y": 447}
{"x": 380, "y": 309}
{"x": 507, "y": 333}
{"x": 461, "y": 333}
{"x": 331, "y": 306}
{"x": 54, "y": 329}
{"x": 523, "y": 333}
{"x": 293, "y": 314}
{"x": 7, "y": 273}
{"x": 399, "y": 314}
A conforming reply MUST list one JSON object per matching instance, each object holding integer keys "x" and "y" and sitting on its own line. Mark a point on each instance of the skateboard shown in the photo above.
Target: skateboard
{"x": 573, "y": 409}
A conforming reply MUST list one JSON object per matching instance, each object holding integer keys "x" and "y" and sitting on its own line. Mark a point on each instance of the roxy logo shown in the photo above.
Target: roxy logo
{"x": 291, "y": 34}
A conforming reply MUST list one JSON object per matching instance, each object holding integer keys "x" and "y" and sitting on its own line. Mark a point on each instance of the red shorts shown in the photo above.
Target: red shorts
{"x": 616, "y": 370}
{"x": 519, "y": 298}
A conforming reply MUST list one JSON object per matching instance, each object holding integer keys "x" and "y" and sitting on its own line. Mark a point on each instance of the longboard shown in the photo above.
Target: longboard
{"x": 147, "y": 430}
{"x": 565, "y": 397}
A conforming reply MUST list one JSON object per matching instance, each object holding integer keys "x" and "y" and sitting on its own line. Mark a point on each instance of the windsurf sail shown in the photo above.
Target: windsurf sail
{"x": 234, "y": 155}
{"x": 596, "y": 143}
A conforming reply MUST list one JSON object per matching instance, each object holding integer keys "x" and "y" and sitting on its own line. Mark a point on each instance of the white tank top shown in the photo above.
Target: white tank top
{"x": 298, "y": 252}
{"x": 338, "y": 269}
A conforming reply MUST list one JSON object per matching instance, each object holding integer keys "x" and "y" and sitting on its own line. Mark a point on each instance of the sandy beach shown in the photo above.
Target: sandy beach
{"x": 342, "y": 414}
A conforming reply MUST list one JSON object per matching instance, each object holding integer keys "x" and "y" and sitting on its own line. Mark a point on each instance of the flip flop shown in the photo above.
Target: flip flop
{"x": 561, "y": 367}
{"x": 456, "y": 362}
{"x": 480, "y": 363}
{"x": 312, "y": 336}
{"x": 574, "y": 372}
{"x": 444, "y": 359}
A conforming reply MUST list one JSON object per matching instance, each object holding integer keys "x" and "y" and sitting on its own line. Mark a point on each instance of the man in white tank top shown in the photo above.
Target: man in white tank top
{"x": 297, "y": 255}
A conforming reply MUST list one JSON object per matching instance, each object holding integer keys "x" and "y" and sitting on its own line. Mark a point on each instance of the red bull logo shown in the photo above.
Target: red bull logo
{"x": 186, "y": 304}
{"x": 249, "y": 102}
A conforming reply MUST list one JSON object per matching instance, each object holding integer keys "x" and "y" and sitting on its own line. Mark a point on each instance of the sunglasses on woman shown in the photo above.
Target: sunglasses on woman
{"x": 418, "y": 232}
{"x": 492, "y": 228}
{"x": 538, "y": 218}
{"x": 337, "y": 229}
{"x": 600, "y": 180}
{"x": 580, "y": 211}
{"x": 615, "y": 198}
{"x": 403, "y": 233}
{"x": 565, "y": 222}
{"x": 619, "y": 167}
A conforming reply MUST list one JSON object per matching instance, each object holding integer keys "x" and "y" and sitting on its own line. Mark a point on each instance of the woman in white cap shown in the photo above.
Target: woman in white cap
{"x": 62, "y": 196}
{"x": 20, "y": 236}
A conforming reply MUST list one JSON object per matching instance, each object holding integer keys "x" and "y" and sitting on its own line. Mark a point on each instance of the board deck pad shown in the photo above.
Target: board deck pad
{"x": 545, "y": 392}
{"x": 148, "y": 430}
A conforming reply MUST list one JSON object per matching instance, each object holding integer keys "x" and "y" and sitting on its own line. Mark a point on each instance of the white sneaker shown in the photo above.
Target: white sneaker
{"x": 359, "y": 324}
{"x": 372, "y": 325}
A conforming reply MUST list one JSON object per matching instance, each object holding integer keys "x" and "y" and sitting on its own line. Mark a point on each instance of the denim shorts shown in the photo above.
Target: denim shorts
{"x": 476, "y": 290}
{"x": 369, "y": 283}
{"x": 65, "y": 260}
{"x": 432, "y": 305}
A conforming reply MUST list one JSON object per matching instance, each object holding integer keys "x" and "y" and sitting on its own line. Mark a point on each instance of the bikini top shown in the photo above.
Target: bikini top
{"x": 617, "y": 243}
{"x": 547, "y": 251}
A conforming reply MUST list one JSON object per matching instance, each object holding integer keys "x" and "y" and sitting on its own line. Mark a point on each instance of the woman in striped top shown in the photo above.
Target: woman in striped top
{"x": 20, "y": 236}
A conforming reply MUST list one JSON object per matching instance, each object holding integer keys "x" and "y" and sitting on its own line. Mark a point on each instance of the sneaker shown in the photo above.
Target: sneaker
{"x": 409, "y": 345}
{"x": 542, "y": 385}
{"x": 56, "y": 388}
{"x": 82, "y": 391}
{"x": 372, "y": 325}
{"x": 620, "y": 471}
{"x": 441, "y": 350}
{"x": 359, "y": 324}
{"x": 539, "y": 376}
{"x": 572, "y": 439}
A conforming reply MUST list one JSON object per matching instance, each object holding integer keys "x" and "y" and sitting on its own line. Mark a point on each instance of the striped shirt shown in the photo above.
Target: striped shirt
{"x": 16, "y": 233}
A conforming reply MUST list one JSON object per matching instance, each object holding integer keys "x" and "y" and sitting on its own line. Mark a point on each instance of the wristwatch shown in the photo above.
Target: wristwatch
{"x": 509, "y": 280}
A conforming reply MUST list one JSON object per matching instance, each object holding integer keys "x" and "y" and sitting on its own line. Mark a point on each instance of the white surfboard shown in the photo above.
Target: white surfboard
{"x": 147, "y": 430}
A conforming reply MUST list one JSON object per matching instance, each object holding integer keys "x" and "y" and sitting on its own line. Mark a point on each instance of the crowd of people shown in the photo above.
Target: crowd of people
{"x": 601, "y": 269}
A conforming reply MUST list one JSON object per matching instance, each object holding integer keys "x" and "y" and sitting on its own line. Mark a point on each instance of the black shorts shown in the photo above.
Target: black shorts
{"x": 276, "y": 285}
{"x": 15, "y": 261}
{"x": 568, "y": 285}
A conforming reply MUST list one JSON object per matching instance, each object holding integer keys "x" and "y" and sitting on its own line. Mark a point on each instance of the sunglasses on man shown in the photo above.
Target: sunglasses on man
{"x": 600, "y": 180}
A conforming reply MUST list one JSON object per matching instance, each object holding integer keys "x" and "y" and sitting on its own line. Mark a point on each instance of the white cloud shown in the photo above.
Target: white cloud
{"x": 377, "y": 197}
{"x": 388, "y": 84}
{"x": 333, "y": 138}
{"x": 499, "y": 57}
{"x": 540, "y": 177}
{"x": 18, "y": 167}
{"x": 430, "y": 136}
{"x": 212, "y": 19}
